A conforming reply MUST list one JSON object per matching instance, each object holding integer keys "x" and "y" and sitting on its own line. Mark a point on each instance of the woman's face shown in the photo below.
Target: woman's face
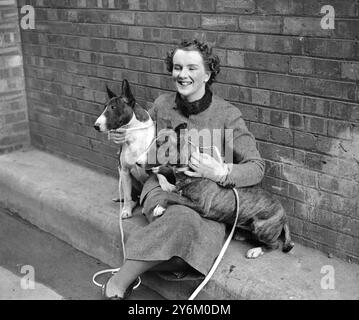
{"x": 189, "y": 74}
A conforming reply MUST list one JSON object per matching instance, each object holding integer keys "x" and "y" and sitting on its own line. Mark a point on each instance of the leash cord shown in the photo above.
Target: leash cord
{"x": 226, "y": 244}
{"x": 221, "y": 254}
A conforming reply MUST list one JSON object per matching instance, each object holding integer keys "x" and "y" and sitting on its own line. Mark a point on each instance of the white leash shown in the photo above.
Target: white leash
{"x": 226, "y": 244}
{"x": 115, "y": 270}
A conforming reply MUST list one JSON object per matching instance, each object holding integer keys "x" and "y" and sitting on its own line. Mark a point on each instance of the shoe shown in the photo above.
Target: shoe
{"x": 128, "y": 292}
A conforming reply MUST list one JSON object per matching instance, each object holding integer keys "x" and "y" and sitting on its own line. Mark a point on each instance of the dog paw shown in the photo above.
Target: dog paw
{"x": 169, "y": 187}
{"x": 158, "y": 211}
{"x": 254, "y": 253}
{"x": 126, "y": 213}
{"x": 127, "y": 210}
{"x": 165, "y": 185}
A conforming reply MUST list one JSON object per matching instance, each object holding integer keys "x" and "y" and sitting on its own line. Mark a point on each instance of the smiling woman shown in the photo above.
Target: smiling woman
{"x": 181, "y": 240}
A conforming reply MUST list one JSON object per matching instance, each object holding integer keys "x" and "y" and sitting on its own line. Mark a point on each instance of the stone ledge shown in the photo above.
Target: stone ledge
{"x": 74, "y": 204}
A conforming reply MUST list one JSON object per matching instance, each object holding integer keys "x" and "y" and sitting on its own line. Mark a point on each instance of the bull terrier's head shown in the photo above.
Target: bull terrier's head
{"x": 118, "y": 110}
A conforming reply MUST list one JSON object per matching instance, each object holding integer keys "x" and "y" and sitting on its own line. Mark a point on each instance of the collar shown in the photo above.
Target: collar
{"x": 195, "y": 107}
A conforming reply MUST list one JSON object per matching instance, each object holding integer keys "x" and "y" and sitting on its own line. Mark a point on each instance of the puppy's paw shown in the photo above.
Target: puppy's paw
{"x": 165, "y": 185}
{"x": 158, "y": 211}
{"x": 127, "y": 210}
{"x": 126, "y": 213}
{"x": 254, "y": 253}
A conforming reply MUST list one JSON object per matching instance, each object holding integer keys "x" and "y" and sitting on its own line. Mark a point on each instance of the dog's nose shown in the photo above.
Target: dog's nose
{"x": 97, "y": 127}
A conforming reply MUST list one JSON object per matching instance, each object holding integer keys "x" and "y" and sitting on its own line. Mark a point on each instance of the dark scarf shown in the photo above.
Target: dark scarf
{"x": 188, "y": 108}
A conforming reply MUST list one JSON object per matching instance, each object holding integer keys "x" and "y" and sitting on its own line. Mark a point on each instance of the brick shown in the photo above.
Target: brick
{"x": 296, "y": 121}
{"x": 192, "y": 21}
{"x": 281, "y": 136}
{"x": 326, "y": 88}
{"x": 275, "y": 152}
{"x": 260, "y": 24}
{"x": 235, "y": 58}
{"x": 281, "y": 7}
{"x": 301, "y": 65}
{"x": 215, "y": 22}
{"x": 327, "y": 48}
{"x": 305, "y": 141}
{"x": 279, "y": 44}
{"x": 338, "y": 204}
{"x": 316, "y": 106}
{"x": 339, "y": 129}
{"x": 280, "y": 82}
{"x": 342, "y": 187}
{"x": 118, "y": 17}
{"x": 299, "y": 175}
{"x": 238, "y": 77}
{"x": 237, "y": 41}
{"x": 340, "y": 110}
{"x": 327, "y": 68}
{"x": 249, "y": 112}
{"x": 260, "y": 97}
{"x": 304, "y": 26}
{"x": 267, "y": 62}
{"x": 198, "y": 6}
{"x": 163, "y": 5}
{"x": 347, "y": 29}
{"x": 316, "y": 125}
{"x": 289, "y": 102}
{"x": 275, "y": 186}
{"x": 273, "y": 169}
{"x": 236, "y": 6}
{"x": 350, "y": 70}
{"x": 296, "y": 192}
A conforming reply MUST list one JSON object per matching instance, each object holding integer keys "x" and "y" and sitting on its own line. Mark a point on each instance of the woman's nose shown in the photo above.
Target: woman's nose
{"x": 183, "y": 73}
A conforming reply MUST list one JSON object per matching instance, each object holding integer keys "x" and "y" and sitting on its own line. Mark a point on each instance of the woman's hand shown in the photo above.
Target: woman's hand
{"x": 205, "y": 166}
{"x": 118, "y": 136}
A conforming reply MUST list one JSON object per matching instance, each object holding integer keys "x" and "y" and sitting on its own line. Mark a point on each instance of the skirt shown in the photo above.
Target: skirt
{"x": 179, "y": 232}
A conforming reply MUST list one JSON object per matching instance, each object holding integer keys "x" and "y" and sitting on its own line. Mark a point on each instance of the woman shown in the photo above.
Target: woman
{"x": 181, "y": 240}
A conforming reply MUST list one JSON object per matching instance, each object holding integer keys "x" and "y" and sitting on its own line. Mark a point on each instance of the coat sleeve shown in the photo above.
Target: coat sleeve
{"x": 247, "y": 167}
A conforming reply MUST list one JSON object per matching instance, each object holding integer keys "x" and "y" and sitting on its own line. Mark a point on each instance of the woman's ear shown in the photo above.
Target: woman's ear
{"x": 208, "y": 76}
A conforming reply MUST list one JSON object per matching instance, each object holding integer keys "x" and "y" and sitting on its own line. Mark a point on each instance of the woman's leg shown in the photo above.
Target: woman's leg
{"x": 131, "y": 269}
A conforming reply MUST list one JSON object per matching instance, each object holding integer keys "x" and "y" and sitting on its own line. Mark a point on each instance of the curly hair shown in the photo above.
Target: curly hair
{"x": 211, "y": 61}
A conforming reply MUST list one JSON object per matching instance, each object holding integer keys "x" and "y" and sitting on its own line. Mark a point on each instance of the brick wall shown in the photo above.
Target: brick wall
{"x": 295, "y": 83}
{"x": 14, "y": 126}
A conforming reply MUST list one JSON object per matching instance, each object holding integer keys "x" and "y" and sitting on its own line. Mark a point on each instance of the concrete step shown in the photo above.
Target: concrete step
{"x": 74, "y": 203}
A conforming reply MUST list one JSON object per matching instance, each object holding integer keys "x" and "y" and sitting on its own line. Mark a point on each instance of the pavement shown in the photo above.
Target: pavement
{"x": 73, "y": 203}
{"x": 35, "y": 265}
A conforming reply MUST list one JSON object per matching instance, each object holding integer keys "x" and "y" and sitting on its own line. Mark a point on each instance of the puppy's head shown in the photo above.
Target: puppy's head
{"x": 118, "y": 110}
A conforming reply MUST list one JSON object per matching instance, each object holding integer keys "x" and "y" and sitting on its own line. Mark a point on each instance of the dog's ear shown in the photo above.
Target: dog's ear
{"x": 126, "y": 93}
{"x": 110, "y": 93}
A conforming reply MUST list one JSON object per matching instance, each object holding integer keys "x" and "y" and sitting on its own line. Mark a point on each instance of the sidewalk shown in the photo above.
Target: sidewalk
{"x": 58, "y": 271}
{"x": 74, "y": 204}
